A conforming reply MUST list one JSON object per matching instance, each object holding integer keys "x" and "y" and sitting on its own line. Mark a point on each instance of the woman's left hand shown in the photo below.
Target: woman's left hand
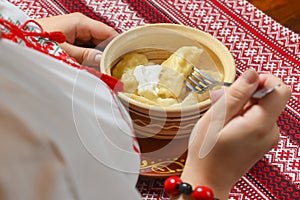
{"x": 81, "y": 32}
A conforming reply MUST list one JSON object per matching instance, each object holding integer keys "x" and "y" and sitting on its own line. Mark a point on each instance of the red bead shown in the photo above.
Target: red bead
{"x": 170, "y": 185}
{"x": 203, "y": 193}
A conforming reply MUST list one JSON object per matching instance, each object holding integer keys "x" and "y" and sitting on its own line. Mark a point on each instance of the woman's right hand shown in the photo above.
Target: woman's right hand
{"x": 234, "y": 134}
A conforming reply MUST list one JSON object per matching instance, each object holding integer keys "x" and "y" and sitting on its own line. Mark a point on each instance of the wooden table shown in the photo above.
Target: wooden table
{"x": 286, "y": 12}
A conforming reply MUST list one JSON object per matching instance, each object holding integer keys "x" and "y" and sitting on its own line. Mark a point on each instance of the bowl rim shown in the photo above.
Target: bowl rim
{"x": 218, "y": 45}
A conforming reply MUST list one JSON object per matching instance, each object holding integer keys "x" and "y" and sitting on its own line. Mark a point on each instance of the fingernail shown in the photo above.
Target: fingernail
{"x": 250, "y": 76}
{"x": 263, "y": 72}
{"x": 98, "y": 57}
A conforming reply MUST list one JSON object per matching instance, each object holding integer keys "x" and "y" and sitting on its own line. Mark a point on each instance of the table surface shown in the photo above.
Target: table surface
{"x": 286, "y": 12}
{"x": 255, "y": 41}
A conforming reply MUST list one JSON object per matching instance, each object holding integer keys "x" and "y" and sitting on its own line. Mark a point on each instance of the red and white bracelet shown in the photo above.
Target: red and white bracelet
{"x": 175, "y": 186}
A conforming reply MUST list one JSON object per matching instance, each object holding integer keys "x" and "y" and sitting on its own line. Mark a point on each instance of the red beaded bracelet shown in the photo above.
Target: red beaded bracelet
{"x": 175, "y": 186}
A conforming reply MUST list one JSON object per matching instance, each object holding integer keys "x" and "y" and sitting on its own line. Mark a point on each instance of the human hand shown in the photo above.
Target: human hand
{"x": 81, "y": 32}
{"x": 234, "y": 134}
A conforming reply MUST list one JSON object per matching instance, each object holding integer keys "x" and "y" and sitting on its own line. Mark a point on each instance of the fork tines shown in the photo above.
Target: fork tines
{"x": 200, "y": 82}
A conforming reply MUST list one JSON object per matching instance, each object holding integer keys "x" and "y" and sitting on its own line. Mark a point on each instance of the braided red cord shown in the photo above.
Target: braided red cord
{"x": 22, "y": 33}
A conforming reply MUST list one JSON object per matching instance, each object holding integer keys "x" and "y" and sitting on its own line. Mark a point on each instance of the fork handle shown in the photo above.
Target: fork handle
{"x": 226, "y": 84}
{"x": 258, "y": 94}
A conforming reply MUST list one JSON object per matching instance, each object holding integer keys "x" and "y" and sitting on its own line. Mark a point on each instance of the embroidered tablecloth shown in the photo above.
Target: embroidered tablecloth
{"x": 255, "y": 41}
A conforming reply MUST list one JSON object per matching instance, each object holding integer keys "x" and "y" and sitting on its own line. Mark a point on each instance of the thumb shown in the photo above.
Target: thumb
{"x": 239, "y": 94}
{"x": 207, "y": 131}
{"x": 86, "y": 56}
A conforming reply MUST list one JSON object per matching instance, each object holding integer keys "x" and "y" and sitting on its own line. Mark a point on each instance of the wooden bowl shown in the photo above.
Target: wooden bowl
{"x": 163, "y": 132}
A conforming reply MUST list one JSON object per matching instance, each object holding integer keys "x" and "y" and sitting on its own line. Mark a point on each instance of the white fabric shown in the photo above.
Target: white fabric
{"x": 63, "y": 134}
{"x": 9, "y": 11}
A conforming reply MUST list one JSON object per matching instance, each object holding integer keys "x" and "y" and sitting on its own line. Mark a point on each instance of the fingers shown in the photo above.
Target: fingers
{"x": 238, "y": 94}
{"x": 85, "y": 56}
{"x": 77, "y": 26}
{"x": 268, "y": 108}
{"x": 88, "y": 29}
{"x": 276, "y": 101}
{"x": 223, "y": 110}
{"x": 81, "y": 31}
{"x": 229, "y": 105}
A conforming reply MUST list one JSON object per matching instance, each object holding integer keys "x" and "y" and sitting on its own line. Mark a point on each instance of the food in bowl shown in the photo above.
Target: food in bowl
{"x": 163, "y": 131}
{"x": 163, "y": 83}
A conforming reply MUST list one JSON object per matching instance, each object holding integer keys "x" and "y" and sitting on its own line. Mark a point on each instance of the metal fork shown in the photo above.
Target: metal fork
{"x": 200, "y": 82}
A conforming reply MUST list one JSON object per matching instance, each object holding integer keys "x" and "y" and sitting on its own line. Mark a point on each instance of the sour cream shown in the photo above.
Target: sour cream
{"x": 147, "y": 77}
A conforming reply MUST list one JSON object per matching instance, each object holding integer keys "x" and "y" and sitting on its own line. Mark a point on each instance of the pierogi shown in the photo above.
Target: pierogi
{"x": 163, "y": 84}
